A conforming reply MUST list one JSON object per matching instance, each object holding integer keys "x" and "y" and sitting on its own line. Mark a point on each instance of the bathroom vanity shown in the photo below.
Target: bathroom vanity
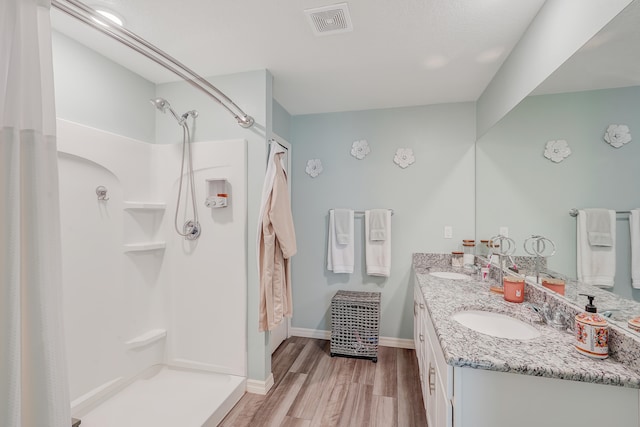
{"x": 471, "y": 379}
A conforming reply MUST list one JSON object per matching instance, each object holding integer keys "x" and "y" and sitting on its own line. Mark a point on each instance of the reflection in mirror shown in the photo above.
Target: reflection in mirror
{"x": 520, "y": 188}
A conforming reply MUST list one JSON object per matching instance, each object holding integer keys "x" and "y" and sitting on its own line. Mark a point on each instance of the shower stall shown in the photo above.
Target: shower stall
{"x": 155, "y": 323}
{"x": 155, "y": 256}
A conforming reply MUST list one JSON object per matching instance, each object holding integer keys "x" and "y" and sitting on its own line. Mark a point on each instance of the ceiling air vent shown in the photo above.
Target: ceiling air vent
{"x": 328, "y": 20}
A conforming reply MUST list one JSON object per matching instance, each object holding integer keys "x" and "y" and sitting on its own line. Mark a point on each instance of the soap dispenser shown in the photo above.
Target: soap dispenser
{"x": 592, "y": 332}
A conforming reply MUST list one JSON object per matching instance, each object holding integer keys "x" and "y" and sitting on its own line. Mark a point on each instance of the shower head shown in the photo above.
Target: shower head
{"x": 161, "y": 104}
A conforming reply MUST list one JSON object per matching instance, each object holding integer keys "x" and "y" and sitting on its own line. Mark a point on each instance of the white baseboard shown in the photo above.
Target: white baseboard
{"x": 260, "y": 387}
{"x": 326, "y": 335}
{"x": 397, "y": 342}
{"x": 310, "y": 333}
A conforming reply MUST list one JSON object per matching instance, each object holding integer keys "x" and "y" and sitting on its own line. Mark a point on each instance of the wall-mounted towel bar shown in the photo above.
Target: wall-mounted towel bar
{"x": 362, "y": 212}
{"x": 574, "y": 212}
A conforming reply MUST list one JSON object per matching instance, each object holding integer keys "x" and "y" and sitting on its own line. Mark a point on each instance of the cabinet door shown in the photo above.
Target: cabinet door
{"x": 440, "y": 381}
{"x": 435, "y": 374}
{"x": 420, "y": 339}
{"x": 442, "y": 404}
{"x": 418, "y": 328}
{"x": 430, "y": 389}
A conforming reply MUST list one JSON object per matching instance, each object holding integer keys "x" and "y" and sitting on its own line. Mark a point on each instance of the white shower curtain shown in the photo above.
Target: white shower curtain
{"x": 33, "y": 375}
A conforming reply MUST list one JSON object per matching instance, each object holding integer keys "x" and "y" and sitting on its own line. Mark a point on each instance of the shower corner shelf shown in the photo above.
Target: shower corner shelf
{"x": 145, "y": 206}
{"x": 147, "y": 246}
{"x": 147, "y": 338}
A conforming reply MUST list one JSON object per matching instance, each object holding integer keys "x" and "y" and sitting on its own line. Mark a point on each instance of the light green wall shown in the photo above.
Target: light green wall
{"x": 519, "y": 188}
{"x": 437, "y": 190}
{"x": 281, "y": 121}
{"x": 97, "y": 92}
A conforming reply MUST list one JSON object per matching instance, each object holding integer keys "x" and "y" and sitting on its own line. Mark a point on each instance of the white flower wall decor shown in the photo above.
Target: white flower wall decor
{"x": 404, "y": 157}
{"x": 557, "y": 150}
{"x": 617, "y": 135}
{"x": 360, "y": 149}
{"x": 314, "y": 167}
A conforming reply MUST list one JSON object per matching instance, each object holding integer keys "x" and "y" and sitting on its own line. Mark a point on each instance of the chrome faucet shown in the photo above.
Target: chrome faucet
{"x": 540, "y": 247}
{"x": 608, "y": 312}
{"x": 558, "y": 320}
{"x": 507, "y": 248}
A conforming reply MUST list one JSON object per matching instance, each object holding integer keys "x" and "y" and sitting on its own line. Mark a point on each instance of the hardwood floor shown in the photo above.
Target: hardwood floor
{"x": 312, "y": 389}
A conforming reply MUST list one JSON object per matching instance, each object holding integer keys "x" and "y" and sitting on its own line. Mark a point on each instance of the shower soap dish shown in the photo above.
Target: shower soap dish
{"x": 217, "y": 193}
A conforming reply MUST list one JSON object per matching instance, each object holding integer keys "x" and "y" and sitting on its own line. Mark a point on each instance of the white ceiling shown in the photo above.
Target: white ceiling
{"x": 400, "y": 53}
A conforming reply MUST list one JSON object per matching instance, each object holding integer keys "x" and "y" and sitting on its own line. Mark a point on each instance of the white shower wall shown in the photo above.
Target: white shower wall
{"x": 195, "y": 291}
{"x": 205, "y": 278}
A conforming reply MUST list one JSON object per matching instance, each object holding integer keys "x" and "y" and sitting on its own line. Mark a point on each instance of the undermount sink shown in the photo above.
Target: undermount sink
{"x": 496, "y": 324}
{"x": 450, "y": 275}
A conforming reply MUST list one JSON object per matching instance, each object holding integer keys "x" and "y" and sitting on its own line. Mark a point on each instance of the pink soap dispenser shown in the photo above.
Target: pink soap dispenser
{"x": 592, "y": 332}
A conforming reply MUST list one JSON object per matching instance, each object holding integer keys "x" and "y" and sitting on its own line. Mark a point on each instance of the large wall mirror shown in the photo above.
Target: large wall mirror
{"x": 519, "y": 188}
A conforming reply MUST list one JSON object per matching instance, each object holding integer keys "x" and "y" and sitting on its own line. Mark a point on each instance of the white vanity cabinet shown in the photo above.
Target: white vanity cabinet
{"x": 470, "y": 397}
{"x": 436, "y": 377}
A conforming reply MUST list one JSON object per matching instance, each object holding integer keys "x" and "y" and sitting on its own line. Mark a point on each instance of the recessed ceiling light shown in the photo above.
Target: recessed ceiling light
{"x": 111, "y": 16}
{"x": 434, "y": 62}
{"x": 490, "y": 55}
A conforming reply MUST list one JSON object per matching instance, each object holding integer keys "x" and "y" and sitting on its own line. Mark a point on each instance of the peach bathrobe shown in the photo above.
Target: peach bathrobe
{"x": 277, "y": 244}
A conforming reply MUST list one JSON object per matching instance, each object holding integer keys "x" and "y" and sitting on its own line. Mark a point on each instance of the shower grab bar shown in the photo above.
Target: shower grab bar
{"x": 166, "y": 61}
{"x": 574, "y": 212}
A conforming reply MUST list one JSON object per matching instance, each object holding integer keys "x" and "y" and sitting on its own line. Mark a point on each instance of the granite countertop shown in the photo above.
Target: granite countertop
{"x": 551, "y": 355}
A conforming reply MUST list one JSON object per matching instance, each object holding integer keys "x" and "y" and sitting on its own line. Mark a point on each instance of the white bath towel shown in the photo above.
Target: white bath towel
{"x": 599, "y": 227}
{"x": 596, "y": 264}
{"x": 634, "y": 227}
{"x": 378, "y": 224}
{"x": 378, "y": 252}
{"x": 343, "y": 220}
{"x": 340, "y": 258}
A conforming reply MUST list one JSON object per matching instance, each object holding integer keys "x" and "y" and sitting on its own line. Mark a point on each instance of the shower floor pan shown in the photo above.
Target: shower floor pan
{"x": 170, "y": 398}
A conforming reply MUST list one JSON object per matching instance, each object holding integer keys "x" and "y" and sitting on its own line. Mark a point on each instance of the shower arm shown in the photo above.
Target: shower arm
{"x": 158, "y": 56}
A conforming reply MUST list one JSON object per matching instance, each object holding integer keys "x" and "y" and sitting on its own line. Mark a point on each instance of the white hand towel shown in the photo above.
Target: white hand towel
{"x": 343, "y": 219}
{"x": 596, "y": 264}
{"x": 634, "y": 227}
{"x": 378, "y": 224}
{"x": 340, "y": 258}
{"x": 378, "y": 252}
{"x": 599, "y": 227}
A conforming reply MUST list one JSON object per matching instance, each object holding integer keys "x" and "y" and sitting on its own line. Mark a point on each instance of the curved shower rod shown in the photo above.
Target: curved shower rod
{"x": 91, "y": 17}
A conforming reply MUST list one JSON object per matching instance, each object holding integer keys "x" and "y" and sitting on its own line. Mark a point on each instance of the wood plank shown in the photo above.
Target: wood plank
{"x": 332, "y": 408}
{"x": 335, "y": 391}
{"x": 275, "y": 407}
{"x": 308, "y": 356}
{"x": 386, "y": 382}
{"x": 318, "y": 380}
{"x": 242, "y": 414}
{"x": 410, "y": 405}
{"x": 384, "y": 412}
{"x": 295, "y": 422}
{"x": 357, "y": 406}
{"x": 364, "y": 372}
{"x": 343, "y": 370}
{"x": 282, "y": 361}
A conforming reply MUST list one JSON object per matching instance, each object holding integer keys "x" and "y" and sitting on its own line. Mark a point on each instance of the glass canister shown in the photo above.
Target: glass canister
{"x": 457, "y": 259}
{"x": 483, "y": 248}
{"x": 469, "y": 249}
